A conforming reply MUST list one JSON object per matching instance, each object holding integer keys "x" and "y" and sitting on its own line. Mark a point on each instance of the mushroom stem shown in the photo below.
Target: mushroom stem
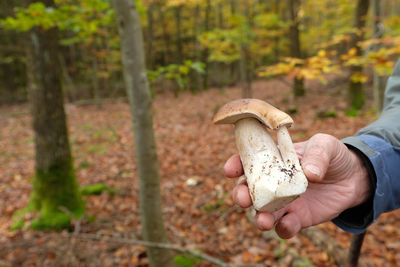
{"x": 291, "y": 160}
{"x": 287, "y": 149}
{"x": 272, "y": 183}
{"x": 262, "y": 162}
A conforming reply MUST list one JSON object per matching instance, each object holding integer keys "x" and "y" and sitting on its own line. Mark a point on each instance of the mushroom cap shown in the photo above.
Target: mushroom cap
{"x": 267, "y": 114}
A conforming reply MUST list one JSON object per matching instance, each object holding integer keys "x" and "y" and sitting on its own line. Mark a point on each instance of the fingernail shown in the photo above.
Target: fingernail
{"x": 313, "y": 169}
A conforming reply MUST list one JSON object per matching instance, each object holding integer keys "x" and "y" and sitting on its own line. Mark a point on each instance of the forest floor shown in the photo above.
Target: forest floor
{"x": 198, "y": 209}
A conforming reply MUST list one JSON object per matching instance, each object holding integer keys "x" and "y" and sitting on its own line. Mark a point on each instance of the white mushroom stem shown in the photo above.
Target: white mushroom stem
{"x": 272, "y": 183}
{"x": 286, "y": 148}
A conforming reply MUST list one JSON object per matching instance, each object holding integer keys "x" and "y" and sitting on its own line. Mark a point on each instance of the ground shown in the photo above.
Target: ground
{"x": 198, "y": 209}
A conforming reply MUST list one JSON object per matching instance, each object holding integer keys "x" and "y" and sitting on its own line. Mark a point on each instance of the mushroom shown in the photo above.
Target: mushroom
{"x": 273, "y": 173}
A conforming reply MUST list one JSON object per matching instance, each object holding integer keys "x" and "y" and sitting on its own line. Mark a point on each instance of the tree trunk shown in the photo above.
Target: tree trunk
{"x": 55, "y": 188}
{"x": 276, "y": 39}
{"x": 69, "y": 86}
{"x": 379, "y": 81}
{"x": 166, "y": 38}
{"x": 205, "y": 51}
{"x": 197, "y": 48}
{"x": 356, "y": 97}
{"x": 295, "y": 48}
{"x": 235, "y": 64}
{"x": 244, "y": 76}
{"x": 178, "y": 36}
{"x": 95, "y": 66}
{"x": 150, "y": 36}
{"x": 141, "y": 108}
{"x": 245, "y": 58}
{"x": 220, "y": 15}
{"x": 244, "y": 61}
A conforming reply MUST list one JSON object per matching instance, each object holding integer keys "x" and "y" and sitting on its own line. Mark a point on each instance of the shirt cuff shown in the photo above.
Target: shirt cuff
{"x": 381, "y": 160}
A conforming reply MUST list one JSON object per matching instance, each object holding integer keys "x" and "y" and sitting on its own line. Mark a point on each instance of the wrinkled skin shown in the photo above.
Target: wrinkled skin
{"x": 337, "y": 179}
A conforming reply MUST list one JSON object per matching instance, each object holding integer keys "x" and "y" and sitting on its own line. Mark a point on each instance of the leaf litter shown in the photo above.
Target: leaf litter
{"x": 197, "y": 206}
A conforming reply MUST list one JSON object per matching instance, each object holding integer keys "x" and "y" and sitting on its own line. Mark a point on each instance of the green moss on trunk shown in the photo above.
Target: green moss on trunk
{"x": 356, "y": 97}
{"x": 56, "y": 197}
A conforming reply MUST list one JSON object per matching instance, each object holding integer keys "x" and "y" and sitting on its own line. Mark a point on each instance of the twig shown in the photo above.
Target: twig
{"x": 77, "y": 221}
{"x": 89, "y": 102}
{"x": 4, "y": 249}
{"x": 153, "y": 244}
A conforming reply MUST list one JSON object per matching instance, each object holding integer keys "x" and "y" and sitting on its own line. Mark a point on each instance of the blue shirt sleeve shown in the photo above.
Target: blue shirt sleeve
{"x": 385, "y": 161}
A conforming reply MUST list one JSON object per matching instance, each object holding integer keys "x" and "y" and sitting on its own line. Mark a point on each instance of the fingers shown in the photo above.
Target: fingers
{"x": 288, "y": 226}
{"x": 299, "y": 147}
{"x": 233, "y": 167}
{"x": 317, "y": 155}
{"x": 241, "y": 196}
{"x": 287, "y": 222}
{"x": 265, "y": 221}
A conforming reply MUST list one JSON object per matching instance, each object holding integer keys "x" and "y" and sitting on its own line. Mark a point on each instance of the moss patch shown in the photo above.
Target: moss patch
{"x": 54, "y": 220}
{"x": 17, "y": 224}
{"x": 95, "y": 189}
{"x": 186, "y": 260}
{"x": 56, "y": 197}
{"x": 18, "y": 220}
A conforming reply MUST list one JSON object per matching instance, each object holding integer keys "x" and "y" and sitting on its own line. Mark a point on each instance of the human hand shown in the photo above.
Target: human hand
{"x": 337, "y": 179}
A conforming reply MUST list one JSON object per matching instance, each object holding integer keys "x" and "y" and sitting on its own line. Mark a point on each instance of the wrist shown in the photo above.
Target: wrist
{"x": 363, "y": 188}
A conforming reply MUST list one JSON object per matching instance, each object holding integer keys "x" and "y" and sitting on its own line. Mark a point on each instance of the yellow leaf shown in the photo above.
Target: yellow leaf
{"x": 322, "y": 53}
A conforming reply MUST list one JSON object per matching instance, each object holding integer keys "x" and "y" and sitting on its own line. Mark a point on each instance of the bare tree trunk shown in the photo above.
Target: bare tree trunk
{"x": 379, "y": 81}
{"x": 206, "y": 51}
{"x": 54, "y": 186}
{"x": 178, "y": 35}
{"x": 244, "y": 79}
{"x": 141, "y": 108}
{"x": 150, "y": 35}
{"x": 356, "y": 97}
{"x": 244, "y": 61}
{"x": 104, "y": 66}
{"x": 276, "y": 38}
{"x": 70, "y": 87}
{"x": 295, "y": 49}
{"x": 235, "y": 64}
{"x": 95, "y": 66}
{"x": 220, "y": 15}
{"x": 166, "y": 39}
{"x": 197, "y": 50}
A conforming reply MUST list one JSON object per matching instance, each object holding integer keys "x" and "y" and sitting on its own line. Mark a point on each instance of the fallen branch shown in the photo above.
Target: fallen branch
{"x": 88, "y": 102}
{"x": 180, "y": 249}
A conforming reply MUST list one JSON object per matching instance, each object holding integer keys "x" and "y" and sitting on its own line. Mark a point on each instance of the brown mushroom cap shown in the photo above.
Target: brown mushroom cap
{"x": 267, "y": 114}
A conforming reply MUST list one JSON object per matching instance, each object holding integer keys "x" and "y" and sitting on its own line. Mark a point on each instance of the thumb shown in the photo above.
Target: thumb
{"x": 317, "y": 155}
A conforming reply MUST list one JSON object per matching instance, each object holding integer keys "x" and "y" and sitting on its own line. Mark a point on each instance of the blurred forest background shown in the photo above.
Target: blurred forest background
{"x": 324, "y": 62}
